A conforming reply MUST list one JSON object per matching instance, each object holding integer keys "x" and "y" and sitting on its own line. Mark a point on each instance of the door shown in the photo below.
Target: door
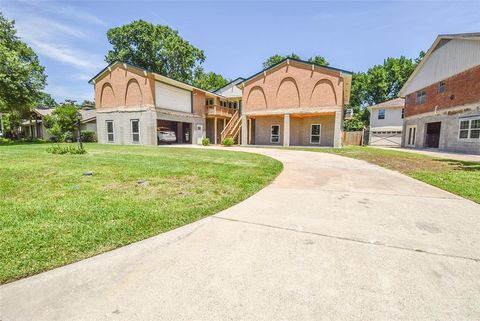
{"x": 432, "y": 138}
{"x": 411, "y": 135}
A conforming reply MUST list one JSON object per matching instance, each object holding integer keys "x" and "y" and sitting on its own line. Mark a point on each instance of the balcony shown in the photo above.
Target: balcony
{"x": 220, "y": 111}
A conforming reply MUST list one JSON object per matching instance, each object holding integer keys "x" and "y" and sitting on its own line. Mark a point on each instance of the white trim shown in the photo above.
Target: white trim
{"x": 278, "y": 135}
{"x": 319, "y": 134}
{"x": 407, "y": 135}
{"x": 469, "y": 129}
{"x": 131, "y": 130}
{"x": 113, "y": 131}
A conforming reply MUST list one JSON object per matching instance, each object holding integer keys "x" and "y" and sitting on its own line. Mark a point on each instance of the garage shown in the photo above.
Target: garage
{"x": 390, "y": 137}
{"x": 172, "y": 132}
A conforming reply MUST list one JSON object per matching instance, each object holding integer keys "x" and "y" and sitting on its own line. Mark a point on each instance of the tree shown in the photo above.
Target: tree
{"x": 46, "y": 100}
{"x": 154, "y": 47}
{"x": 319, "y": 60}
{"x": 22, "y": 77}
{"x": 275, "y": 59}
{"x": 63, "y": 121}
{"x": 209, "y": 80}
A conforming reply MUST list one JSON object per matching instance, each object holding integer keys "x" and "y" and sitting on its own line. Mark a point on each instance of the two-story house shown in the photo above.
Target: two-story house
{"x": 292, "y": 103}
{"x": 386, "y": 123}
{"x": 442, "y": 96}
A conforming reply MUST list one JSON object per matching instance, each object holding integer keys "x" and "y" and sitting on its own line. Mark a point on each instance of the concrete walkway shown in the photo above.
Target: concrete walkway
{"x": 436, "y": 153}
{"x": 331, "y": 239}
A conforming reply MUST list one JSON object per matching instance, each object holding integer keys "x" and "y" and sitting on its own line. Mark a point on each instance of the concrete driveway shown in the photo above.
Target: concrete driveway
{"x": 331, "y": 239}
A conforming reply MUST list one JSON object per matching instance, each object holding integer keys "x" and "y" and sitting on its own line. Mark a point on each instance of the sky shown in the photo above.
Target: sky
{"x": 236, "y": 36}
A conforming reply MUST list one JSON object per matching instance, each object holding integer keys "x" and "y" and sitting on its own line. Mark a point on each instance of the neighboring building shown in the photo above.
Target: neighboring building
{"x": 133, "y": 103}
{"x": 386, "y": 123}
{"x": 35, "y": 128}
{"x": 294, "y": 103}
{"x": 442, "y": 107}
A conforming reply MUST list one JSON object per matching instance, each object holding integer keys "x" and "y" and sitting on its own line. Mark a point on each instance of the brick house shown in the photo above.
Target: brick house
{"x": 442, "y": 96}
{"x": 291, "y": 103}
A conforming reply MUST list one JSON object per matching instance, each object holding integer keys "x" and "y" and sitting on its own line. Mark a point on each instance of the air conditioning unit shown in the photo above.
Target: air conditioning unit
{"x": 349, "y": 113}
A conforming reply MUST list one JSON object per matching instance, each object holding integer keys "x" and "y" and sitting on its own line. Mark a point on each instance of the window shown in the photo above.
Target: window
{"x": 230, "y": 105}
{"x": 235, "y": 105}
{"x": 411, "y": 134}
{"x": 315, "y": 130}
{"x": 135, "y": 125}
{"x": 110, "y": 135}
{"x": 275, "y": 134}
{"x": 441, "y": 87}
{"x": 403, "y": 113}
{"x": 381, "y": 114}
{"x": 421, "y": 97}
{"x": 469, "y": 129}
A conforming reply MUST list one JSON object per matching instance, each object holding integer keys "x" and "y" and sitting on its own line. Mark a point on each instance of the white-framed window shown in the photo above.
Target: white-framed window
{"x": 275, "y": 134}
{"x": 381, "y": 113}
{"x": 421, "y": 97}
{"x": 135, "y": 128}
{"x": 469, "y": 128}
{"x": 110, "y": 134}
{"x": 441, "y": 87}
{"x": 411, "y": 135}
{"x": 315, "y": 133}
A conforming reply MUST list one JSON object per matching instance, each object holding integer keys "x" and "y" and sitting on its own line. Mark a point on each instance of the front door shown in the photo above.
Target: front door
{"x": 432, "y": 138}
{"x": 411, "y": 135}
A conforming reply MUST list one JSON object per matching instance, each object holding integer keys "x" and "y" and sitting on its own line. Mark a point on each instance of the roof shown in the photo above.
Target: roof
{"x": 235, "y": 81}
{"x": 286, "y": 60}
{"x": 158, "y": 76}
{"x": 439, "y": 41}
{"x": 88, "y": 114}
{"x": 43, "y": 111}
{"x": 396, "y": 102}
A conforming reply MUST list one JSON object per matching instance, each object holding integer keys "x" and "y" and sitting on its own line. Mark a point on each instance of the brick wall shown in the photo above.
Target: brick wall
{"x": 461, "y": 89}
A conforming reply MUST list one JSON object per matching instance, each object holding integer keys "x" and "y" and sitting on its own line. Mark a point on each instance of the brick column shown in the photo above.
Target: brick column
{"x": 337, "y": 130}
{"x": 286, "y": 130}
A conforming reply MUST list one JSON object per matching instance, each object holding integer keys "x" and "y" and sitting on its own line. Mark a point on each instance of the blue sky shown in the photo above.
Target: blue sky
{"x": 237, "y": 36}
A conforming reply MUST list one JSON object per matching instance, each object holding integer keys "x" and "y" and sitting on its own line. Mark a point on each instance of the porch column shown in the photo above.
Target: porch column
{"x": 215, "y": 130}
{"x": 180, "y": 133}
{"x": 244, "y": 140}
{"x": 249, "y": 131}
{"x": 286, "y": 130}
{"x": 337, "y": 130}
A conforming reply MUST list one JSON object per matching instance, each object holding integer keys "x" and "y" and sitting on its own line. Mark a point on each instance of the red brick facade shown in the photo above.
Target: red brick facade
{"x": 461, "y": 89}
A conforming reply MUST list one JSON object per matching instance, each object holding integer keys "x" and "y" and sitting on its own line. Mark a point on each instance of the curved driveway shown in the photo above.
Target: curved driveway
{"x": 331, "y": 238}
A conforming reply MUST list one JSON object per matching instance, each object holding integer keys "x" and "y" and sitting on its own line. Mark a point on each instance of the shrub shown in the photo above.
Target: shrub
{"x": 5, "y": 141}
{"x": 87, "y": 136}
{"x": 228, "y": 141}
{"x": 66, "y": 149}
{"x": 206, "y": 141}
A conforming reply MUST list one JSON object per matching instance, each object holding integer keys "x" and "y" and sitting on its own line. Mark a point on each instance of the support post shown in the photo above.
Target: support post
{"x": 249, "y": 131}
{"x": 286, "y": 130}
{"x": 337, "y": 130}
{"x": 244, "y": 131}
{"x": 215, "y": 131}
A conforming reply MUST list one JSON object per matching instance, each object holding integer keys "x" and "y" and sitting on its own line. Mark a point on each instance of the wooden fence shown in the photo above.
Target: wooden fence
{"x": 353, "y": 138}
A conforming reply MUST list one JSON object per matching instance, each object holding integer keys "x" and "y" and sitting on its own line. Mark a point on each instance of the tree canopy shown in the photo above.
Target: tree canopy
{"x": 63, "y": 121}
{"x": 157, "y": 48}
{"x": 208, "y": 80}
{"x": 22, "y": 77}
{"x": 275, "y": 59}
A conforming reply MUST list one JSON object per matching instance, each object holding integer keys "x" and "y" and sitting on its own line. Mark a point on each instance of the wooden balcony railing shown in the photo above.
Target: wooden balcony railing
{"x": 220, "y": 111}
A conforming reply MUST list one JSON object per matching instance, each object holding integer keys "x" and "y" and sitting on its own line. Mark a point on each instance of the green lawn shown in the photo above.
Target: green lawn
{"x": 51, "y": 214}
{"x": 458, "y": 177}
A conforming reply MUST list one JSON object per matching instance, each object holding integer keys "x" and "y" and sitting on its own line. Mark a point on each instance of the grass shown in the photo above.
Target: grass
{"x": 52, "y": 215}
{"x": 458, "y": 177}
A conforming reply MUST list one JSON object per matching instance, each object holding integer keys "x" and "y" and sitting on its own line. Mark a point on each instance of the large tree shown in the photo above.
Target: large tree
{"x": 208, "y": 80}
{"x": 154, "y": 47}
{"x": 22, "y": 77}
{"x": 63, "y": 121}
{"x": 275, "y": 59}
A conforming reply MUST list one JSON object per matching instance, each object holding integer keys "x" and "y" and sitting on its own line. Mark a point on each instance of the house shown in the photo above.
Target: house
{"x": 294, "y": 103}
{"x": 386, "y": 123}
{"x": 133, "y": 103}
{"x": 35, "y": 128}
{"x": 442, "y": 96}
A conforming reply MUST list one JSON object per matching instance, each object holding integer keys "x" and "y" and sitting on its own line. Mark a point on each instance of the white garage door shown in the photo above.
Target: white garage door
{"x": 174, "y": 98}
{"x": 385, "y": 138}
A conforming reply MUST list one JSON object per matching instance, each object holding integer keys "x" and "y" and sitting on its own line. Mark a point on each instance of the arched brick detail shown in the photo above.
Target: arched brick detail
{"x": 288, "y": 95}
{"x": 323, "y": 94}
{"x": 133, "y": 94}
{"x": 256, "y": 99}
{"x": 107, "y": 97}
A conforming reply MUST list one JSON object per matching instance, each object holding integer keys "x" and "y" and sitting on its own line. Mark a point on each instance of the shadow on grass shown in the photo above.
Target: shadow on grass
{"x": 461, "y": 165}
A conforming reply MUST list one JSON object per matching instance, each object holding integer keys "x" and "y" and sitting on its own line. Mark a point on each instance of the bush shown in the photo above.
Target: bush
{"x": 206, "y": 141}
{"x": 5, "y": 141}
{"x": 228, "y": 141}
{"x": 87, "y": 136}
{"x": 66, "y": 149}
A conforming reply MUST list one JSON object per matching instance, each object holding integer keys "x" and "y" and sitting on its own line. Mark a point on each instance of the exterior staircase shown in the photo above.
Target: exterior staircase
{"x": 232, "y": 129}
